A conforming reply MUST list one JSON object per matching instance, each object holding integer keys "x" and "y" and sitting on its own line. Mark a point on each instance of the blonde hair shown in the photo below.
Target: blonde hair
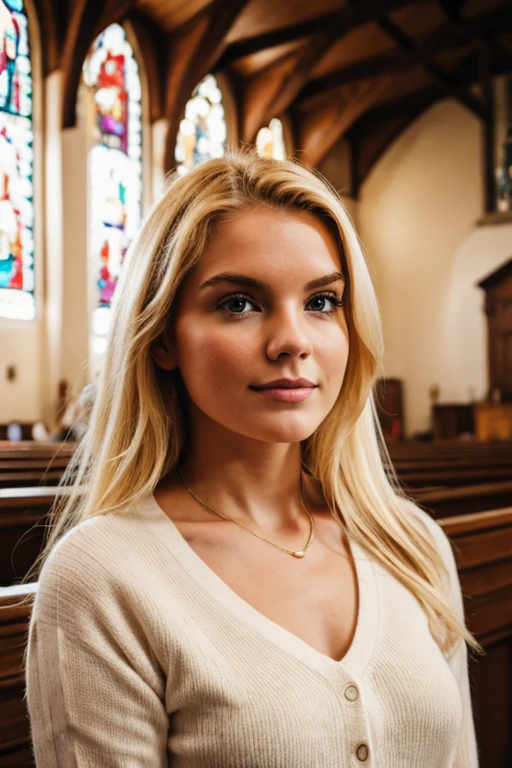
{"x": 137, "y": 430}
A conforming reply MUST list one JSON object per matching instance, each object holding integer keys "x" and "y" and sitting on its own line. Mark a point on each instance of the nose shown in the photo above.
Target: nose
{"x": 287, "y": 334}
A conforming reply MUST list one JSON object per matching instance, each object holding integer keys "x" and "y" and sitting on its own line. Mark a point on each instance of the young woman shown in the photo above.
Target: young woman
{"x": 241, "y": 584}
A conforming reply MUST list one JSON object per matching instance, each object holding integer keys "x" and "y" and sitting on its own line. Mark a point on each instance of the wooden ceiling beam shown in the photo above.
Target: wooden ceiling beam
{"x": 342, "y": 21}
{"x": 318, "y": 130}
{"x": 88, "y": 19}
{"x": 193, "y": 51}
{"x": 112, "y": 12}
{"x": 465, "y": 75}
{"x": 273, "y": 89}
{"x": 453, "y": 8}
{"x": 374, "y": 131}
{"x": 483, "y": 33}
{"x": 443, "y": 78}
{"x": 259, "y": 92}
{"x": 448, "y": 36}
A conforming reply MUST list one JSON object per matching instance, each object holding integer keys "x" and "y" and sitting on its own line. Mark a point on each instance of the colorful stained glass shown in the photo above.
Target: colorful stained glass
{"x": 202, "y": 132}
{"x": 270, "y": 140}
{"x": 16, "y": 160}
{"x": 115, "y": 164}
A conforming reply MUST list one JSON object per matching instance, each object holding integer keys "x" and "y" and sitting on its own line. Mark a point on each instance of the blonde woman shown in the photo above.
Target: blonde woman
{"x": 240, "y": 583}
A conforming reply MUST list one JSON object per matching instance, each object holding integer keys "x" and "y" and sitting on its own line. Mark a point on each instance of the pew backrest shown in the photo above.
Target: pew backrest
{"x": 447, "y": 502}
{"x": 23, "y": 521}
{"x": 483, "y": 550}
{"x": 15, "y": 607}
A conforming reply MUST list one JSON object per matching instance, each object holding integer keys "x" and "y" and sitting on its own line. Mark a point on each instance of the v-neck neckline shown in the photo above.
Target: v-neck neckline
{"x": 364, "y": 637}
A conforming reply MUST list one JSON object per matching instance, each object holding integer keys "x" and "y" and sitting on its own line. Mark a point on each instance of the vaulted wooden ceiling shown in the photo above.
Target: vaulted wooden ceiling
{"x": 359, "y": 69}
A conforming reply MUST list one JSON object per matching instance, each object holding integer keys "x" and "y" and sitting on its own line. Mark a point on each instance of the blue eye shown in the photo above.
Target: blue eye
{"x": 319, "y": 302}
{"x": 233, "y": 306}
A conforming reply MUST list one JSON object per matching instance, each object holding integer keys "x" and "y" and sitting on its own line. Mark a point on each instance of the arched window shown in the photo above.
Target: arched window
{"x": 270, "y": 141}
{"x": 16, "y": 160}
{"x": 115, "y": 165}
{"x": 202, "y": 132}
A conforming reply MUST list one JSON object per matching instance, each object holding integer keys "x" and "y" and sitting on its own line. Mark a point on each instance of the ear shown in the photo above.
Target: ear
{"x": 164, "y": 354}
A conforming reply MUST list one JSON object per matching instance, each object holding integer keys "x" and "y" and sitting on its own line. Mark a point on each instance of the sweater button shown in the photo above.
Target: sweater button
{"x": 362, "y": 752}
{"x": 351, "y": 692}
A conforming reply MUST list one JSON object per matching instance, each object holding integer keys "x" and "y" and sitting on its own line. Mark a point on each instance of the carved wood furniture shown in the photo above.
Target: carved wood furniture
{"x": 493, "y": 421}
{"x": 498, "y": 308}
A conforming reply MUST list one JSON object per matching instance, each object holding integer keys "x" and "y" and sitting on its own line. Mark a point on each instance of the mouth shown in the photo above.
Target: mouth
{"x": 285, "y": 392}
{"x": 284, "y": 384}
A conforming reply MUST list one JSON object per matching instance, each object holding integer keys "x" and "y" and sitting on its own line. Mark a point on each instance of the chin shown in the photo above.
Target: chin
{"x": 283, "y": 433}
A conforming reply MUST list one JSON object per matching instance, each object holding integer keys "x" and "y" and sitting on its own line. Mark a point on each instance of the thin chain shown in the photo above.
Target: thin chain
{"x": 294, "y": 553}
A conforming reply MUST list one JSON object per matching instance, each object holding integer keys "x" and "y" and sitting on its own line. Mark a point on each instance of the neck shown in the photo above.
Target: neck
{"x": 259, "y": 487}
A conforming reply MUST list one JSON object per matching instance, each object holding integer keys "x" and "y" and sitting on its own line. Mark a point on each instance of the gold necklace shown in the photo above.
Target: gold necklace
{"x": 293, "y": 553}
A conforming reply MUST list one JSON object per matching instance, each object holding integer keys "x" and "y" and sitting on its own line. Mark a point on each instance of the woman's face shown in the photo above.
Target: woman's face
{"x": 259, "y": 306}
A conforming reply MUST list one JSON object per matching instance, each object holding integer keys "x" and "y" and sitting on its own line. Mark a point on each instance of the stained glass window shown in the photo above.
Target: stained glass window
{"x": 115, "y": 165}
{"x": 202, "y": 132}
{"x": 270, "y": 140}
{"x": 16, "y": 159}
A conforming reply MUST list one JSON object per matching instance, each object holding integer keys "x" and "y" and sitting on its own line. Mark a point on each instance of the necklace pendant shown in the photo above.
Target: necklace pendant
{"x": 300, "y": 553}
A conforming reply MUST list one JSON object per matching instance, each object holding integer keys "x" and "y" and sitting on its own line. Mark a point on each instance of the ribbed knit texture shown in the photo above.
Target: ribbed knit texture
{"x": 140, "y": 656}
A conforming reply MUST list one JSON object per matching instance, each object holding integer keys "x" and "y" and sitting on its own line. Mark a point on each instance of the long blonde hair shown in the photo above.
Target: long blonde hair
{"x": 137, "y": 431}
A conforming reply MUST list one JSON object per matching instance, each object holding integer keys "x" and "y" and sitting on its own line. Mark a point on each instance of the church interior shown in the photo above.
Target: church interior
{"x": 405, "y": 106}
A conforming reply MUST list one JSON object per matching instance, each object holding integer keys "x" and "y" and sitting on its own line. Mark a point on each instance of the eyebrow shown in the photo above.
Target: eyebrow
{"x": 252, "y": 282}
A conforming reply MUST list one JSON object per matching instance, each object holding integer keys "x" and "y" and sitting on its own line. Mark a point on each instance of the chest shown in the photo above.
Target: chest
{"x": 242, "y": 676}
{"x": 314, "y": 598}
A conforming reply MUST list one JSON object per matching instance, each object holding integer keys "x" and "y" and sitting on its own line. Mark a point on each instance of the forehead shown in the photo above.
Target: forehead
{"x": 265, "y": 242}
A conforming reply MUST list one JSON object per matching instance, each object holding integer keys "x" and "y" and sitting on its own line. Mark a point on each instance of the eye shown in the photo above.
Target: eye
{"x": 233, "y": 305}
{"x": 319, "y": 301}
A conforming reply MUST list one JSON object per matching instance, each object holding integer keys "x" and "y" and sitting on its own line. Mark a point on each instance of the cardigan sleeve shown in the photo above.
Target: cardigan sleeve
{"x": 466, "y": 755}
{"x": 94, "y": 691}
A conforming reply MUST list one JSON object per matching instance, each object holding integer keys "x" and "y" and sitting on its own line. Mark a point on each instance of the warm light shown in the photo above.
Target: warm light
{"x": 202, "y": 132}
{"x": 187, "y": 127}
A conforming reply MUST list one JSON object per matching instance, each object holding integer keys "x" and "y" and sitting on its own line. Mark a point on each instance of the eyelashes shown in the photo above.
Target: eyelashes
{"x": 336, "y": 301}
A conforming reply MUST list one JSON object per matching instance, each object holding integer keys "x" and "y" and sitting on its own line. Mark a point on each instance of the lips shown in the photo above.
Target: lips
{"x": 285, "y": 384}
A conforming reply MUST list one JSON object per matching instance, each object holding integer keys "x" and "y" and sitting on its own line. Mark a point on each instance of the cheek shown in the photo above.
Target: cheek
{"x": 332, "y": 351}
{"x": 216, "y": 356}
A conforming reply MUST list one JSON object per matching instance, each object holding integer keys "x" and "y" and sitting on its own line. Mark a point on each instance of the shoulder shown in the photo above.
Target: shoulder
{"x": 444, "y": 547}
{"x": 88, "y": 562}
{"x": 433, "y": 529}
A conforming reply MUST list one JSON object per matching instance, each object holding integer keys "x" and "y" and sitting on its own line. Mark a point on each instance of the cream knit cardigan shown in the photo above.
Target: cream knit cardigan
{"x": 140, "y": 656}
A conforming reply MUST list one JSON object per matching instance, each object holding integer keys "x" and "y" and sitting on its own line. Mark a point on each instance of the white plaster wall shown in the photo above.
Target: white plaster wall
{"x": 480, "y": 254}
{"x": 20, "y": 347}
{"x": 417, "y": 217}
{"x": 76, "y": 275}
{"x": 54, "y": 250}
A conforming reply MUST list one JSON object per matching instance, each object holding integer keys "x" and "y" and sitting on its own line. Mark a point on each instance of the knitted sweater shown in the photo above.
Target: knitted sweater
{"x": 140, "y": 656}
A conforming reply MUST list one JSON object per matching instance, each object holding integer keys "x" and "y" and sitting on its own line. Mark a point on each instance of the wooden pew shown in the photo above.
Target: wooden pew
{"x": 22, "y": 528}
{"x": 448, "y": 502}
{"x": 15, "y": 744}
{"x": 453, "y": 465}
{"x": 411, "y": 449}
{"x": 30, "y": 464}
{"x": 422, "y": 466}
{"x": 449, "y": 477}
{"x": 483, "y": 551}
